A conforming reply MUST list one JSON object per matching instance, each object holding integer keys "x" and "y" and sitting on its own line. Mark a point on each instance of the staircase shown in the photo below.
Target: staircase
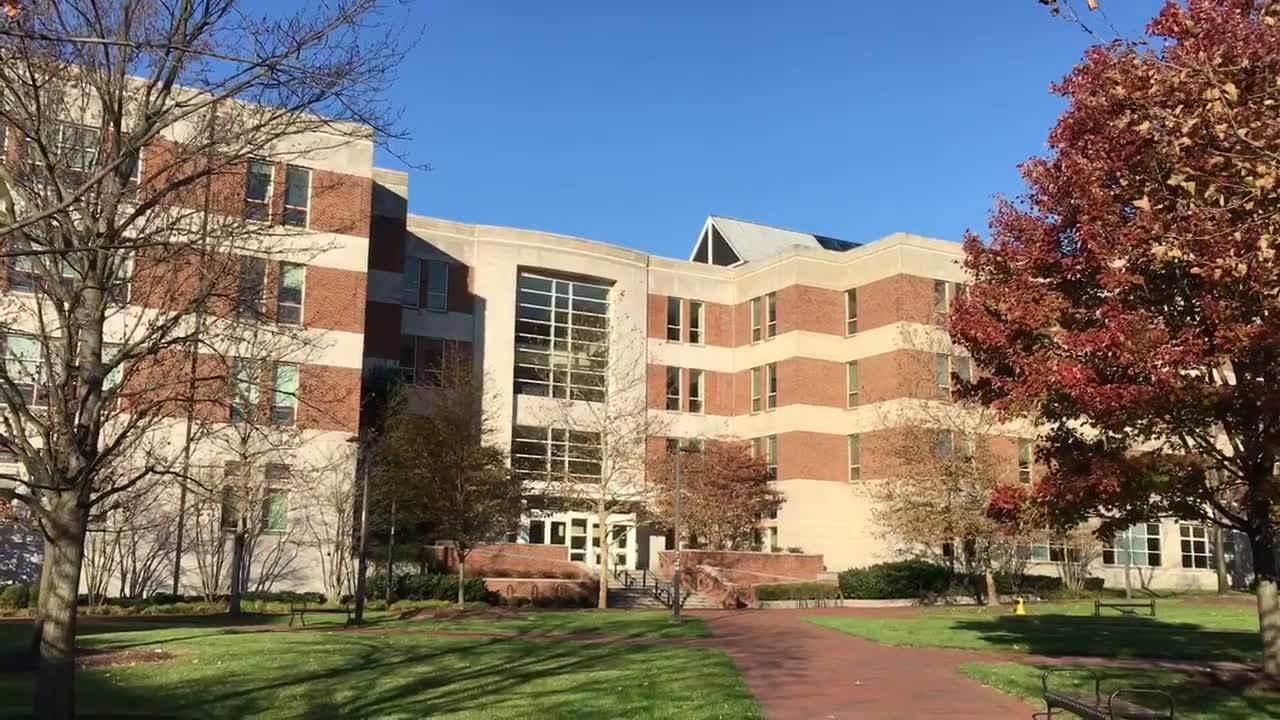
{"x": 642, "y": 589}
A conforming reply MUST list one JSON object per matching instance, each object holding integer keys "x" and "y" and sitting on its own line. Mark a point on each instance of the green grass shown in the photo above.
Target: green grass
{"x": 225, "y": 673}
{"x": 1182, "y": 629}
{"x": 1193, "y": 700}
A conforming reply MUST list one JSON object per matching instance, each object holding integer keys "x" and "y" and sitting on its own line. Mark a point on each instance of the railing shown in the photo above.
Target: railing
{"x": 662, "y": 592}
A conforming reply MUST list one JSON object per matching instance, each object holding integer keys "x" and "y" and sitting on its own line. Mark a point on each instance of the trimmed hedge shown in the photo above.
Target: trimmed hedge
{"x": 432, "y": 586}
{"x": 15, "y": 597}
{"x": 796, "y": 591}
{"x": 909, "y": 579}
{"x": 894, "y": 580}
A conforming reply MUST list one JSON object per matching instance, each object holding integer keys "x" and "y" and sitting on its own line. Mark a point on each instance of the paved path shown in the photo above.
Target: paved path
{"x": 801, "y": 671}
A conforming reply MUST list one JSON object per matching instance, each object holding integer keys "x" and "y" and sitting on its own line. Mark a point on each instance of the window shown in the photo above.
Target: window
{"x": 771, "y": 315}
{"x": 284, "y": 394}
{"x": 71, "y": 147}
{"x": 939, "y": 301}
{"x": 1049, "y": 552}
{"x": 24, "y": 364}
{"x": 252, "y": 277}
{"x": 134, "y": 163}
{"x": 673, "y": 389}
{"x": 674, "y": 328}
{"x": 942, "y": 374}
{"x": 257, "y": 190}
{"x": 764, "y": 317}
{"x": 230, "y": 501}
{"x": 1139, "y": 545}
{"x": 771, "y": 385}
{"x": 432, "y": 358}
{"x": 1024, "y": 460}
{"x": 1197, "y": 550}
{"x": 297, "y": 195}
{"x": 672, "y": 445}
{"x": 961, "y": 366}
{"x": 408, "y": 359}
{"x": 275, "y": 509}
{"x": 767, "y": 448}
{"x": 21, "y": 274}
{"x": 437, "y": 285}
{"x": 289, "y": 293}
{"x": 110, "y": 356}
{"x": 244, "y": 388}
{"x": 562, "y": 337}
{"x": 757, "y": 389}
{"x": 545, "y": 453}
{"x": 855, "y": 458}
{"x": 118, "y": 292}
{"x": 695, "y": 390}
{"x": 850, "y": 311}
{"x": 851, "y": 382}
{"x": 409, "y": 281}
{"x": 695, "y": 322}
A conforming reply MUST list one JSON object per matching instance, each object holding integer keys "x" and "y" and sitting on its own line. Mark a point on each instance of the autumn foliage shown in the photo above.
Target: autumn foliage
{"x": 725, "y": 493}
{"x": 1130, "y": 297}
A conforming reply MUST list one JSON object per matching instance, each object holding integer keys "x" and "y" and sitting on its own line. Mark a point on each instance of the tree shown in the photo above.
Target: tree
{"x": 470, "y": 494}
{"x": 725, "y": 492}
{"x": 610, "y": 433}
{"x": 196, "y": 88}
{"x": 1129, "y": 298}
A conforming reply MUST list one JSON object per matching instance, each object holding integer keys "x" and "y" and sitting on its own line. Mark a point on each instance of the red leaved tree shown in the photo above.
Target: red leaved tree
{"x": 1130, "y": 299}
{"x": 725, "y": 491}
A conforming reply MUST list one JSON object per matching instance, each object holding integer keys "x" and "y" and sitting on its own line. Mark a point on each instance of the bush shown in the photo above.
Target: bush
{"x": 15, "y": 596}
{"x": 796, "y": 591}
{"x": 442, "y": 587}
{"x": 795, "y": 549}
{"x": 33, "y": 599}
{"x": 895, "y": 580}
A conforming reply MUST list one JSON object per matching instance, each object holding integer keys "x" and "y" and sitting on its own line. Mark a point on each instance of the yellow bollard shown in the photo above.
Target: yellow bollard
{"x": 1021, "y": 608}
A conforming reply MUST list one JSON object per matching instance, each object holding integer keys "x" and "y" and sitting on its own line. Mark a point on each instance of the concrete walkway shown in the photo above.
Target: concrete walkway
{"x": 801, "y": 671}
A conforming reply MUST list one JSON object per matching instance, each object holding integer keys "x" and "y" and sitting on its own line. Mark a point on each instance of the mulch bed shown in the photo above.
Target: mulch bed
{"x": 25, "y": 662}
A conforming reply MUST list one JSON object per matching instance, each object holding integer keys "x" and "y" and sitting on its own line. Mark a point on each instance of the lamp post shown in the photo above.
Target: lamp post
{"x": 676, "y": 599}
{"x": 362, "y": 562}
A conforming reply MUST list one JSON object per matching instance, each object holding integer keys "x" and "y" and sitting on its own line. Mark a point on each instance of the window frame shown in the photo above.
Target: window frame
{"x": 697, "y": 311}
{"x": 757, "y": 319}
{"x": 563, "y": 339}
{"x": 771, "y": 315}
{"x": 854, "y": 456}
{"x": 1026, "y": 461}
{"x": 1111, "y": 554}
{"x": 411, "y": 281}
{"x": 942, "y": 375}
{"x": 1187, "y": 542}
{"x": 757, "y": 389}
{"x": 851, "y": 312}
{"x": 290, "y": 213}
{"x": 255, "y": 209}
{"x": 243, "y": 310}
{"x": 851, "y": 384}
{"x": 771, "y": 386}
{"x": 437, "y": 298}
{"x": 37, "y": 397}
{"x": 695, "y": 384}
{"x": 677, "y": 330}
{"x": 284, "y": 414}
{"x": 281, "y": 304}
{"x": 674, "y": 378}
{"x": 240, "y": 366}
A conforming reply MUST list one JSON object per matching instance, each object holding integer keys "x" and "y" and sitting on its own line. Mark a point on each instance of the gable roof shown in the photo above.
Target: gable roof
{"x": 751, "y": 241}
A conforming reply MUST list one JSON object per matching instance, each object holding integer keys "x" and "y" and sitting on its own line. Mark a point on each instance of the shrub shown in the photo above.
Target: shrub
{"x": 15, "y": 596}
{"x": 442, "y": 587}
{"x": 796, "y": 549}
{"x": 895, "y": 580}
{"x": 796, "y": 591}
{"x": 33, "y": 599}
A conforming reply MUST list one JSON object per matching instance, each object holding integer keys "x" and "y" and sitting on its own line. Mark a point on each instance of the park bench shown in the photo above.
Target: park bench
{"x": 301, "y": 608}
{"x": 1116, "y": 706}
{"x": 1128, "y": 607}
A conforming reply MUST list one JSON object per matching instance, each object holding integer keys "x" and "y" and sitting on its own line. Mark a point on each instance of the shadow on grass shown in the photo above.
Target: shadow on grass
{"x": 350, "y": 675}
{"x": 1194, "y": 695}
{"x": 1113, "y": 637}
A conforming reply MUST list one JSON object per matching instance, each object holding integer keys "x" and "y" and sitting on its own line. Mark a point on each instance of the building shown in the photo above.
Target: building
{"x": 808, "y": 346}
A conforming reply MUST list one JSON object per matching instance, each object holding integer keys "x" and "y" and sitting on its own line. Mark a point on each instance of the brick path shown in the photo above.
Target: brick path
{"x": 801, "y": 671}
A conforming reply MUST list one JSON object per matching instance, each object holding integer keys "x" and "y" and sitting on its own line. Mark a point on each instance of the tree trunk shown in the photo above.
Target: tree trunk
{"x": 237, "y": 570}
{"x": 391, "y": 549}
{"x": 462, "y": 581}
{"x": 993, "y": 595}
{"x": 56, "y": 611}
{"x": 602, "y": 531}
{"x": 1265, "y": 570}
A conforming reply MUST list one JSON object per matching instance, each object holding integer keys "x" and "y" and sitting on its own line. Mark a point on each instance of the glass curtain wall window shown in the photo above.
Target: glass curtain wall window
{"x": 562, "y": 337}
{"x": 1139, "y": 545}
{"x": 542, "y": 454}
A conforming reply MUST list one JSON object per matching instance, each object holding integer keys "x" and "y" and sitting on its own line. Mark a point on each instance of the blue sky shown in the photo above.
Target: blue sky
{"x": 630, "y": 122}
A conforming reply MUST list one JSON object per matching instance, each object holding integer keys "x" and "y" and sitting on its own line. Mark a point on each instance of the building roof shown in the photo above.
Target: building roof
{"x": 752, "y": 241}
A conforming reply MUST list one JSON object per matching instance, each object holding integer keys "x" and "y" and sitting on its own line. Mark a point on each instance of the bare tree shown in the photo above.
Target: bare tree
{"x": 471, "y": 495}
{"x": 608, "y": 477}
{"x": 944, "y": 468}
{"x": 329, "y": 530}
{"x": 129, "y": 125}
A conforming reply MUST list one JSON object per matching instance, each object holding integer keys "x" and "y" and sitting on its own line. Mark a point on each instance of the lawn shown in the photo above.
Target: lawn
{"x": 643, "y": 624}
{"x": 1194, "y": 700}
{"x": 1182, "y": 629}
{"x": 220, "y": 672}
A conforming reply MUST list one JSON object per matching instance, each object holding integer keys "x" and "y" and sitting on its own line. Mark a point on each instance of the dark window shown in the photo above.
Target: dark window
{"x": 673, "y": 319}
{"x": 257, "y": 191}
{"x": 297, "y": 195}
{"x": 249, "y": 286}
